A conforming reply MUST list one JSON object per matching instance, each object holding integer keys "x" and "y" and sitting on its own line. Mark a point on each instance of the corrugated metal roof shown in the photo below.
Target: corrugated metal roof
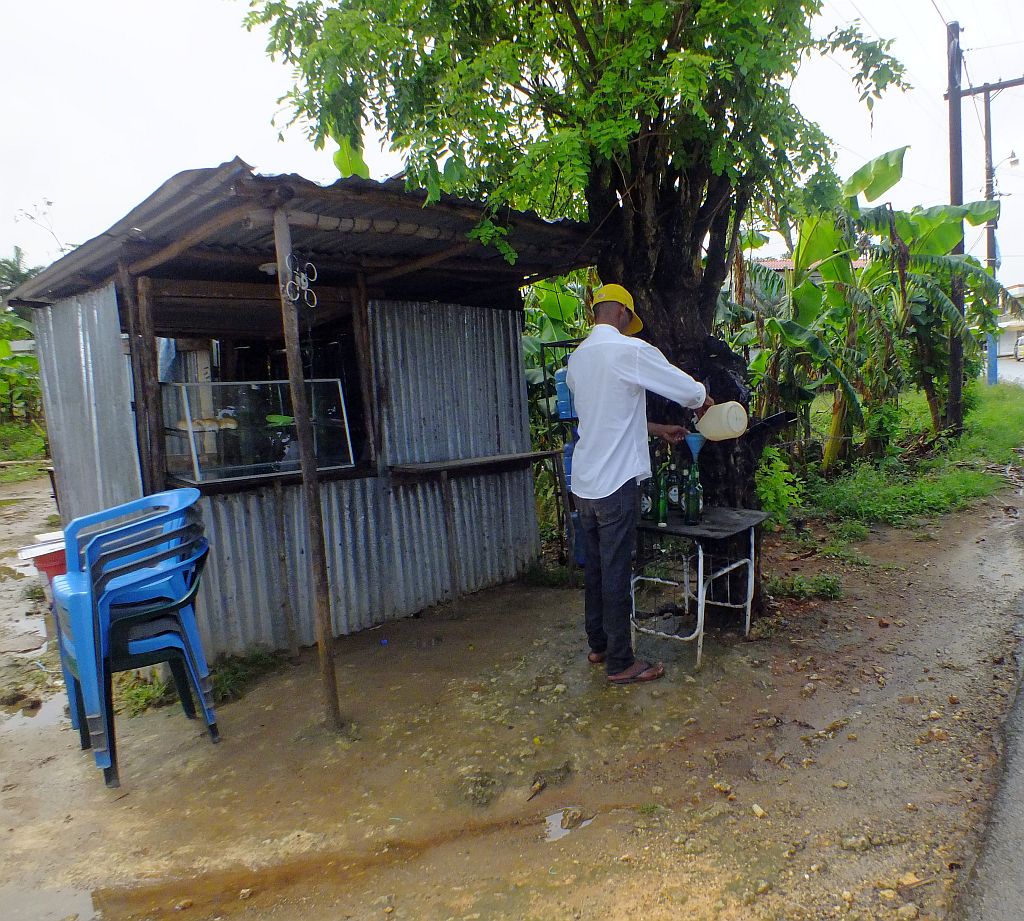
{"x": 353, "y": 225}
{"x": 784, "y": 263}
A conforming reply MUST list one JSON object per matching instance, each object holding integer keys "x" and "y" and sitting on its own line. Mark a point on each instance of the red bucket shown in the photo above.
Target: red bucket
{"x": 51, "y": 564}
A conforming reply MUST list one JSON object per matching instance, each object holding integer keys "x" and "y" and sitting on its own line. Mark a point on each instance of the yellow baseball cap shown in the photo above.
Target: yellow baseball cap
{"x": 619, "y": 295}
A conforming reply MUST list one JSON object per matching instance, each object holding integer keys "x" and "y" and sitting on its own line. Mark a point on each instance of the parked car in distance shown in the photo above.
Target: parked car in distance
{"x": 1018, "y": 349}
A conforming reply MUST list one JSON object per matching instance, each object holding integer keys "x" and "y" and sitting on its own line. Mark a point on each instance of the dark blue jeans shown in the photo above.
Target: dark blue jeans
{"x": 609, "y": 533}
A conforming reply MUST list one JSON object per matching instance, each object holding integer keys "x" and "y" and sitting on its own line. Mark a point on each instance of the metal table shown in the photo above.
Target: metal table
{"x": 717, "y": 524}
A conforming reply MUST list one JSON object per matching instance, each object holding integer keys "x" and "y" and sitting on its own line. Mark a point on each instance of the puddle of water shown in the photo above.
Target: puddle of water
{"x": 554, "y": 829}
{"x": 49, "y": 714}
{"x": 39, "y": 904}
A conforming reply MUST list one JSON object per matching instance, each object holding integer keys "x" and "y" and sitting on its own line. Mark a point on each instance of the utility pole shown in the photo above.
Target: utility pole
{"x": 991, "y": 342}
{"x": 986, "y": 91}
{"x": 955, "y": 402}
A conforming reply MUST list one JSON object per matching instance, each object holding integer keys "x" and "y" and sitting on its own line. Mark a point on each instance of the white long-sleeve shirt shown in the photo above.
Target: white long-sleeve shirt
{"x": 608, "y": 375}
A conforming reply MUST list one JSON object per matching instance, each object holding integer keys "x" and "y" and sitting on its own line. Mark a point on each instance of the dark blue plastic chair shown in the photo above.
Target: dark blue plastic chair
{"x": 128, "y": 601}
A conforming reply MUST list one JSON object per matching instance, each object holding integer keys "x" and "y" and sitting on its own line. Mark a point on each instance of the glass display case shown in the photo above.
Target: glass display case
{"x": 235, "y": 430}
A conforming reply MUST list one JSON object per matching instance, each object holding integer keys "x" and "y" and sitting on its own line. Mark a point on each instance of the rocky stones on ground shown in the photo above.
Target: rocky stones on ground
{"x": 555, "y": 776}
{"x": 477, "y": 786}
{"x": 11, "y": 696}
{"x": 572, "y": 817}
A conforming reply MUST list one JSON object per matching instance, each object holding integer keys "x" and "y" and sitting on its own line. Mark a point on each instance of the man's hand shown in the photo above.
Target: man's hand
{"x": 672, "y": 434}
{"x": 707, "y": 404}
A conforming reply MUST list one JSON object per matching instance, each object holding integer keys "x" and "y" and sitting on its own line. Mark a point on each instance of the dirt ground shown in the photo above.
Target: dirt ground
{"x": 839, "y": 765}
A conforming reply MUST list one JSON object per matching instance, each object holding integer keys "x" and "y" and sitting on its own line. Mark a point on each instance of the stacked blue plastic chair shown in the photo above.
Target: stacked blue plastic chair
{"x": 127, "y": 601}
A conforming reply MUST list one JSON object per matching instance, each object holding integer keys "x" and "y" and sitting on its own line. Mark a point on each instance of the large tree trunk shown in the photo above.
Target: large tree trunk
{"x": 673, "y": 237}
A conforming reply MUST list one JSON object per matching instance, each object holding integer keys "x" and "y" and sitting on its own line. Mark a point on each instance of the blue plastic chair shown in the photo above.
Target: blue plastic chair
{"x": 128, "y": 601}
{"x": 147, "y": 633}
{"x": 84, "y": 539}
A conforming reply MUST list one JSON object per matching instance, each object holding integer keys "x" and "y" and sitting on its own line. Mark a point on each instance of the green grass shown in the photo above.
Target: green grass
{"x": 545, "y": 575}
{"x": 869, "y": 493}
{"x": 844, "y": 553}
{"x": 35, "y": 593}
{"x": 138, "y": 694}
{"x": 232, "y": 675}
{"x": 21, "y": 441}
{"x": 994, "y": 428}
{"x": 900, "y": 493}
{"x": 19, "y": 473}
{"x": 822, "y": 585}
{"x": 849, "y": 531}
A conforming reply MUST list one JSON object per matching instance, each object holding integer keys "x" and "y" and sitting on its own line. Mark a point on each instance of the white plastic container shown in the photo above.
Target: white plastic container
{"x": 722, "y": 421}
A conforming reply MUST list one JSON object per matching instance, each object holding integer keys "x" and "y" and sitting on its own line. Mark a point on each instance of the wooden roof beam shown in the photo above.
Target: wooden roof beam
{"x": 257, "y": 186}
{"x": 424, "y": 262}
{"x": 194, "y": 237}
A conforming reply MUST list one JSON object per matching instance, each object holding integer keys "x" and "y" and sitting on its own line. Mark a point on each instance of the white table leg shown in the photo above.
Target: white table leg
{"x": 700, "y": 601}
{"x": 750, "y": 584}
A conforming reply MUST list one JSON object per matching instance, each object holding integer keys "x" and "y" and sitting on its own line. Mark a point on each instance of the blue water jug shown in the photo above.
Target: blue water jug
{"x": 563, "y": 396}
{"x": 567, "y": 462}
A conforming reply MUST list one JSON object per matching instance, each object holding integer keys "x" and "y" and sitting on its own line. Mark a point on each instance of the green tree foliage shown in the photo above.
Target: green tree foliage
{"x": 20, "y": 397}
{"x": 865, "y": 310}
{"x": 14, "y": 271}
{"x": 655, "y": 120}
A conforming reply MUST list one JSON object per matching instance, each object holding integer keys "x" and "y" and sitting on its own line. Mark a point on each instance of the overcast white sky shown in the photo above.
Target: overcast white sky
{"x": 106, "y": 100}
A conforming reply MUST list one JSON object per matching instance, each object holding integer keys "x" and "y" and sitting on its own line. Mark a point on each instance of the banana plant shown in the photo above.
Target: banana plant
{"x": 865, "y": 308}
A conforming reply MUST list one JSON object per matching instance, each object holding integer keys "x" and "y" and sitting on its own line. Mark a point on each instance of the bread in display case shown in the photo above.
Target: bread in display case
{"x": 235, "y": 430}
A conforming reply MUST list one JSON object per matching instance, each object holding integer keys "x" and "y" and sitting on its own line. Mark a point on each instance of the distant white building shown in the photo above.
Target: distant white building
{"x": 1011, "y": 325}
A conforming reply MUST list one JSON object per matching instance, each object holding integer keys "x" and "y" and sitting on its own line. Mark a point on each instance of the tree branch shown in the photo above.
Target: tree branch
{"x": 567, "y": 48}
{"x": 581, "y": 35}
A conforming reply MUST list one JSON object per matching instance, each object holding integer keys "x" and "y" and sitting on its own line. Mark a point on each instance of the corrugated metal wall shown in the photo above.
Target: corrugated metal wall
{"x": 451, "y": 384}
{"x": 452, "y": 387}
{"x": 450, "y": 381}
{"x": 88, "y": 403}
{"x": 386, "y": 554}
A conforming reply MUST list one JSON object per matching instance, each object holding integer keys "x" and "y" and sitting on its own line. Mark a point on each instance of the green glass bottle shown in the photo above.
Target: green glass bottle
{"x": 673, "y": 484}
{"x": 693, "y": 497}
{"x": 649, "y": 493}
{"x": 649, "y": 499}
{"x": 662, "y": 477}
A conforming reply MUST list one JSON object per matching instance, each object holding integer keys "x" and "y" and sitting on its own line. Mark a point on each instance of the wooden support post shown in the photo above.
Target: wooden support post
{"x": 310, "y": 480}
{"x": 364, "y": 353}
{"x": 449, "y": 524}
{"x": 127, "y": 298}
{"x": 282, "y": 572}
{"x": 568, "y": 535}
{"x": 151, "y": 386}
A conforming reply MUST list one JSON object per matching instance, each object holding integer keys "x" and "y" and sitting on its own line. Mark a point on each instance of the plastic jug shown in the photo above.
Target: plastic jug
{"x": 722, "y": 421}
{"x": 563, "y": 396}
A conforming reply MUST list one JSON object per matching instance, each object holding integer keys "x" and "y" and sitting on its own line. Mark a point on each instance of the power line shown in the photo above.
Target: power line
{"x": 974, "y": 98}
{"x": 938, "y": 12}
{"x": 867, "y": 21}
{"x": 999, "y": 45}
{"x": 914, "y": 99}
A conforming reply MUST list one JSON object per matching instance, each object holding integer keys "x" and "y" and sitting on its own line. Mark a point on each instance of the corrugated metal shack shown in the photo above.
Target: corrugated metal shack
{"x": 421, "y": 325}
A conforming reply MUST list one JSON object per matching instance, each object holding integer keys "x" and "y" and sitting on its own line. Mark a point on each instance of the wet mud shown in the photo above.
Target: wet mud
{"x": 838, "y": 764}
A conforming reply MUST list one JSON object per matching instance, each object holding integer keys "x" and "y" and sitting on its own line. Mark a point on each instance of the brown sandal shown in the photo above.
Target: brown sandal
{"x": 596, "y": 658}
{"x": 637, "y": 672}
